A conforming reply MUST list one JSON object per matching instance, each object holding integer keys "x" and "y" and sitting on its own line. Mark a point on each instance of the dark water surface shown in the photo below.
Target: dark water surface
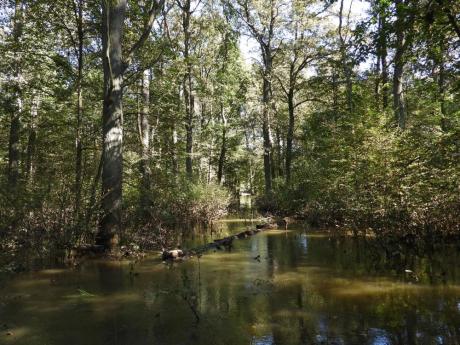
{"x": 276, "y": 287}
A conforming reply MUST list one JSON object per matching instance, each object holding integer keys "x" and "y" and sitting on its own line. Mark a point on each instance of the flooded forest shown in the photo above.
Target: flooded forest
{"x": 257, "y": 172}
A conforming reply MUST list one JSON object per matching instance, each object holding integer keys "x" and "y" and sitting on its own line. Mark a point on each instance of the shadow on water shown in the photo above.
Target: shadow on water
{"x": 276, "y": 287}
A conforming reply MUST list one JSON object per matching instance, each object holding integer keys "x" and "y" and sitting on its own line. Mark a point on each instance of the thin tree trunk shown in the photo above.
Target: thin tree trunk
{"x": 188, "y": 91}
{"x": 78, "y": 136}
{"x": 223, "y": 147}
{"x": 398, "y": 94}
{"x": 279, "y": 153}
{"x": 377, "y": 87}
{"x": 189, "y": 132}
{"x": 144, "y": 135}
{"x": 290, "y": 135}
{"x": 113, "y": 14}
{"x": 442, "y": 85}
{"x": 210, "y": 159}
{"x": 31, "y": 144}
{"x": 383, "y": 60}
{"x": 92, "y": 199}
{"x": 345, "y": 62}
{"x": 15, "y": 125}
{"x": 335, "y": 93}
{"x": 264, "y": 35}
{"x": 174, "y": 138}
{"x": 266, "y": 99}
{"x": 14, "y": 146}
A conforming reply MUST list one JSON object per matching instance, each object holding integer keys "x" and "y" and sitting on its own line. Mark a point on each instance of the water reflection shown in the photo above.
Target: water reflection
{"x": 277, "y": 287}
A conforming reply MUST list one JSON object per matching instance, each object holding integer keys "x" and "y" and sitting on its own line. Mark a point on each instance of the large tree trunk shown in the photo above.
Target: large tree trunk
{"x": 144, "y": 135}
{"x": 15, "y": 125}
{"x": 113, "y": 14}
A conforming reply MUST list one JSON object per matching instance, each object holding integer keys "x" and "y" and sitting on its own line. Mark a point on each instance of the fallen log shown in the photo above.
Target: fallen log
{"x": 226, "y": 242}
{"x": 172, "y": 254}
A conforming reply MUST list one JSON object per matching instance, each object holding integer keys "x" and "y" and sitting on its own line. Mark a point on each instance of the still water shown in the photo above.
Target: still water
{"x": 277, "y": 287}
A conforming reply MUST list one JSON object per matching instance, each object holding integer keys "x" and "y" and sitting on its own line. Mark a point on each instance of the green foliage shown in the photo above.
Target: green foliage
{"x": 376, "y": 178}
{"x": 351, "y": 166}
{"x": 194, "y": 203}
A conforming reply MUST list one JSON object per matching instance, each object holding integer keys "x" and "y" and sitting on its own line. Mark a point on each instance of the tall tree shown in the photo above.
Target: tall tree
{"x": 299, "y": 50}
{"x": 78, "y": 47}
{"x": 187, "y": 84}
{"x": 114, "y": 67}
{"x": 261, "y": 20}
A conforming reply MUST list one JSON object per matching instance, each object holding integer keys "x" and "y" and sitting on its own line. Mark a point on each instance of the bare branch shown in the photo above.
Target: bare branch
{"x": 314, "y": 99}
{"x": 156, "y": 7}
{"x": 282, "y": 85}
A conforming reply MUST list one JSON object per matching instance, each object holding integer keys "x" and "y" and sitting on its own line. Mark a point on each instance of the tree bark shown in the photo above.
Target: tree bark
{"x": 188, "y": 88}
{"x": 31, "y": 144}
{"x": 92, "y": 200}
{"x": 290, "y": 135}
{"x": 113, "y": 14}
{"x": 377, "y": 87}
{"x": 279, "y": 154}
{"x": 175, "y": 163}
{"x": 398, "y": 92}
{"x": 383, "y": 60}
{"x": 335, "y": 93}
{"x": 174, "y": 136}
{"x": 223, "y": 147}
{"x": 14, "y": 146}
{"x": 266, "y": 99}
{"x": 144, "y": 135}
{"x": 15, "y": 124}
{"x": 78, "y": 135}
{"x": 442, "y": 84}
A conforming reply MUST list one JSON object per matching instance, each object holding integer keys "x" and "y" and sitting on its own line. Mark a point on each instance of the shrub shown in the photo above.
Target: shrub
{"x": 201, "y": 203}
